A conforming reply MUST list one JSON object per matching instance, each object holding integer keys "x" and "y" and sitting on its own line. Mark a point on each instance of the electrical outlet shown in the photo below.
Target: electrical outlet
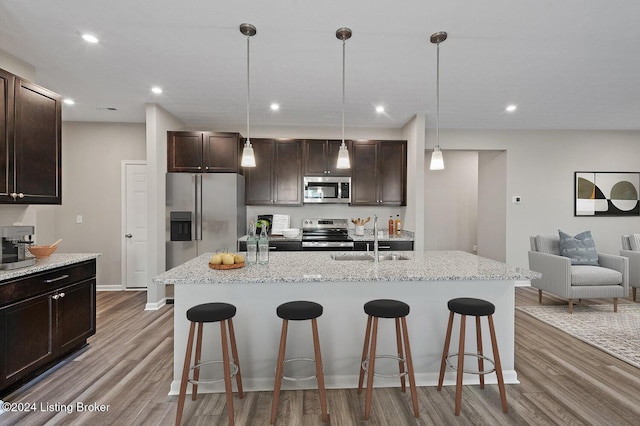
{"x": 79, "y": 218}
{"x": 516, "y": 199}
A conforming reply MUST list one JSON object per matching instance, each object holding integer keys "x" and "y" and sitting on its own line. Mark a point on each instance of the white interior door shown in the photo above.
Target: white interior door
{"x": 134, "y": 220}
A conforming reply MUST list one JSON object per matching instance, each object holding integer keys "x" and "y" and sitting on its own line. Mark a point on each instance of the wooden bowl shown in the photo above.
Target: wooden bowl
{"x": 232, "y": 266}
{"x": 40, "y": 252}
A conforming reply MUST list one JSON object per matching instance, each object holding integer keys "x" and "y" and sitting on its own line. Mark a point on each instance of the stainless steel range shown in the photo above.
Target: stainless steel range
{"x": 325, "y": 234}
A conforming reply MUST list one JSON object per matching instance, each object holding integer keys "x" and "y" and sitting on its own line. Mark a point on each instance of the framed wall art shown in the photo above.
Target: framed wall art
{"x": 607, "y": 194}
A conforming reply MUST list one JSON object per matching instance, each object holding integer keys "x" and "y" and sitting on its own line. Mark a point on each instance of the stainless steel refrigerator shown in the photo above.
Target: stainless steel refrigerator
{"x": 205, "y": 212}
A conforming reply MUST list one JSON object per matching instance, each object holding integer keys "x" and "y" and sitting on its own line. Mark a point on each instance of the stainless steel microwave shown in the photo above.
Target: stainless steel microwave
{"x": 324, "y": 189}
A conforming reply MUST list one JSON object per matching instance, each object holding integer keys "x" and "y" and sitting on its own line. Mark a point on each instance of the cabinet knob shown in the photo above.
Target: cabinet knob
{"x": 128, "y": 236}
{"x": 61, "y": 295}
{"x": 55, "y": 297}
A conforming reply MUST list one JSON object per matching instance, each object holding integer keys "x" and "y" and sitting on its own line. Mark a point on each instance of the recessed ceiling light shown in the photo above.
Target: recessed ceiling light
{"x": 157, "y": 90}
{"x": 90, "y": 38}
{"x": 380, "y": 109}
{"x": 69, "y": 101}
{"x": 511, "y": 108}
{"x": 274, "y": 107}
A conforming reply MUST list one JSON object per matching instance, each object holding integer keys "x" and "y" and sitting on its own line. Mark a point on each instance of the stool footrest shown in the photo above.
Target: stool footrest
{"x": 455, "y": 366}
{"x": 298, "y": 379}
{"x": 365, "y": 367}
{"x": 234, "y": 371}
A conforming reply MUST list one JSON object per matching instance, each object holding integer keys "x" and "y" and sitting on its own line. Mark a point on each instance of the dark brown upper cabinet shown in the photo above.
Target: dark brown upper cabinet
{"x": 379, "y": 173}
{"x": 30, "y": 128}
{"x": 203, "y": 152}
{"x": 277, "y": 177}
{"x": 321, "y": 157}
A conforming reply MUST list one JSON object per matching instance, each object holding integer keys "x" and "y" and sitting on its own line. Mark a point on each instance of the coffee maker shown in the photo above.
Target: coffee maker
{"x": 14, "y": 242}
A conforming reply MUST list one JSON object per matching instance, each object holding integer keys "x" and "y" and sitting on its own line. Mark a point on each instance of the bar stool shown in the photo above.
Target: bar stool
{"x": 200, "y": 314}
{"x": 386, "y": 308}
{"x": 477, "y": 308}
{"x": 299, "y": 311}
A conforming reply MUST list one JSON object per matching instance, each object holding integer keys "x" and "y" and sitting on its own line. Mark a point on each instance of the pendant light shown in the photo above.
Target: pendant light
{"x": 343, "y": 34}
{"x": 437, "y": 162}
{"x": 248, "y": 159}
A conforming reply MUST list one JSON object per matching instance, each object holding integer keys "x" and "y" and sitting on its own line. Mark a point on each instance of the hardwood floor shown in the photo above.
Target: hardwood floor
{"x": 128, "y": 367}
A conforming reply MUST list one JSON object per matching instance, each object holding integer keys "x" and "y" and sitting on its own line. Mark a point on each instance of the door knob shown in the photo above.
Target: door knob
{"x": 128, "y": 236}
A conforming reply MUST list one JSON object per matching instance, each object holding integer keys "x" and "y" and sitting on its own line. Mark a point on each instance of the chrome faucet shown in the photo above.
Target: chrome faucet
{"x": 375, "y": 238}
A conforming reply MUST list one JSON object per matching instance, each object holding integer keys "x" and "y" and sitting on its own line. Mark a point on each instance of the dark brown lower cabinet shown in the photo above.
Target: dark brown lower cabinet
{"x": 384, "y": 245}
{"x": 276, "y": 246}
{"x": 53, "y": 315}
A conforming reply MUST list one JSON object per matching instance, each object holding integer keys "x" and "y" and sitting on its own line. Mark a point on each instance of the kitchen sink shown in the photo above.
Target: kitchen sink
{"x": 363, "y": 256}
{"x": 392, "y": 257}
{"x": 367, "y": 256}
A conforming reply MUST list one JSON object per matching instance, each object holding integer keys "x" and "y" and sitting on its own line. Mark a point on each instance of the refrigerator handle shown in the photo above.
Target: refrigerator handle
{"x": 201, "y": 215}
{"x": 198, "y": 207}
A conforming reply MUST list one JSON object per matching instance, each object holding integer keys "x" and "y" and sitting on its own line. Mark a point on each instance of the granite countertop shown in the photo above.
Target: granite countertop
{"x": 300, "y": 267}
{"x": 368, "y": 236}
{"x": 56, "y": 260}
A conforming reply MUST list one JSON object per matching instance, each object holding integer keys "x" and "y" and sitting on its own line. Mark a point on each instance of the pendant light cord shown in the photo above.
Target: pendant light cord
{"x": 343, "y": 73}
{"x": 438, "y": 94}
{"x": 248, "y": 89}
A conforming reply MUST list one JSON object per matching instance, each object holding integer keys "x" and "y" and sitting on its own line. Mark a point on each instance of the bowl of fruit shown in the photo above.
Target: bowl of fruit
{"x": 226, "y": 261}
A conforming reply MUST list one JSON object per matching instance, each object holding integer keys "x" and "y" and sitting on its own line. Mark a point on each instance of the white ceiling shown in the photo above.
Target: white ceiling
{"x": 567, "y": 64}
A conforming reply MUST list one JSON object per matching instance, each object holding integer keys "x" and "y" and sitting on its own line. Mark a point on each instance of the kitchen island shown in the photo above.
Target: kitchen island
{"x": 426, "y": 281}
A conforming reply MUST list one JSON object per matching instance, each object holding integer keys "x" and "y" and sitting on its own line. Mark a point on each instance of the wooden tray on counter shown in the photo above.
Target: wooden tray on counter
{"x": 234, "y": 266}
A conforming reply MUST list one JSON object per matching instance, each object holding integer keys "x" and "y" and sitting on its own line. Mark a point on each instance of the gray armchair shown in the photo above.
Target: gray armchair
{"x": 634, "y": 262}
{"x": 561, "y": 278}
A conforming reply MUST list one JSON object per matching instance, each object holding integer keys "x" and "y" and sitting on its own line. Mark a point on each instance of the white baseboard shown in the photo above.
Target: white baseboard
{"x": 113, "y": 287}
{"x": 155, "y": 307}
{"x": 118, "y": 287}
{"x": 347, "y": 382}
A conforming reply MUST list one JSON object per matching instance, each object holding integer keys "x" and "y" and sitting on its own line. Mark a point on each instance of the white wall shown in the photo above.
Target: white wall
{"x": 17, "y": 66}
{"x": 492, "y": 193}
{"x": 451, "y": 202}
{"x": 91, "y": 161}
{"x": 159, "y": 121}
{"x": 540, "y": 168}
{"x": 414, "y": 133}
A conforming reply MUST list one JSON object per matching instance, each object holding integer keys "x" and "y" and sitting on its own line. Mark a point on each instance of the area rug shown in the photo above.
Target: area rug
{"x": 618, "y": 334}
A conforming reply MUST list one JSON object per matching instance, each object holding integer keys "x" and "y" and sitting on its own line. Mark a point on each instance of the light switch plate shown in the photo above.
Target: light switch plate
{"x": 79, "y": 218}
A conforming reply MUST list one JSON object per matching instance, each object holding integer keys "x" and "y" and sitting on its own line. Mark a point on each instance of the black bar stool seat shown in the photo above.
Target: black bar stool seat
{"x": 386, "y": 308}
{"x": 198, "y": 316}
{"x": 470, "y": 306}
{"x": 299, "y": 310}
{"x": 398, "y": 311}
{"x": 467, "y": 306}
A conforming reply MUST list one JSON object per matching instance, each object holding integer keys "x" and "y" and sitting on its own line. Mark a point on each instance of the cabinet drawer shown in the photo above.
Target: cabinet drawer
{"x": 277, "y": 245}
{"x": 39, "y": 283}
{"x": 385, "y": 245}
